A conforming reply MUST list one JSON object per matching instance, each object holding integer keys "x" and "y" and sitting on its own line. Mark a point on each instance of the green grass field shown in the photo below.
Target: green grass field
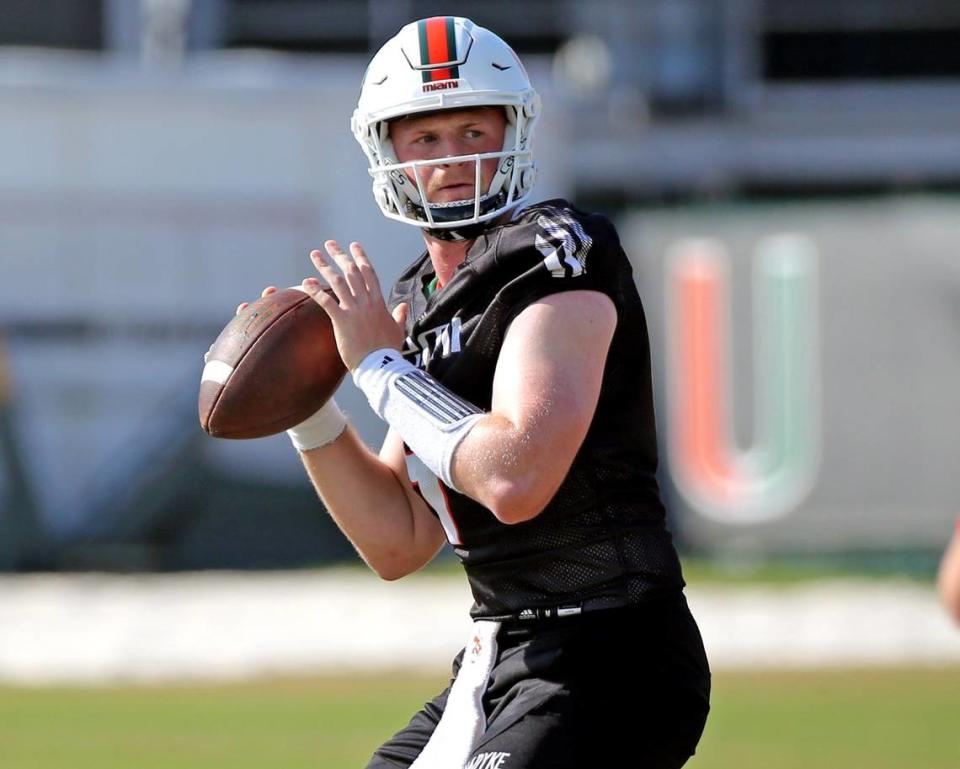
{"x": 870, "y": 719}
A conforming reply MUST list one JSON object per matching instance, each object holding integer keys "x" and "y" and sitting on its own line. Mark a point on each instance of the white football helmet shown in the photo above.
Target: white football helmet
{"x": 446, "y": 62}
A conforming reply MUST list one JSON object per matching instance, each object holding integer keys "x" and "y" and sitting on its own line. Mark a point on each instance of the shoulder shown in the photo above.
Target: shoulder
{"x": 546, "y": 249}
{"x": 560, "y": 211}
{"x": 556, "y": 224}
{"x": 587, "y": 309}
{"x": 557, "y": 247}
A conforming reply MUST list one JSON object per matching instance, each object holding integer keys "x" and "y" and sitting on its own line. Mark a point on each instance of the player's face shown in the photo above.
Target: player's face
{"x": 450, "y": 133}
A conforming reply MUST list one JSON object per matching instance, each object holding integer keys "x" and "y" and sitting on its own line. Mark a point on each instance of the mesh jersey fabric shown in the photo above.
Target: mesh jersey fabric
{"x": 602, "y": 540}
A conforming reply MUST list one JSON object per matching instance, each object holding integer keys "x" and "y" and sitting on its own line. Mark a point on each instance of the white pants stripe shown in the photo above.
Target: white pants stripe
{"x": 463, "y": 721}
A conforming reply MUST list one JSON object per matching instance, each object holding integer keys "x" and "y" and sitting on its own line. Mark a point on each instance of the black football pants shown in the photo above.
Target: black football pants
{"x": 612, "y": 689}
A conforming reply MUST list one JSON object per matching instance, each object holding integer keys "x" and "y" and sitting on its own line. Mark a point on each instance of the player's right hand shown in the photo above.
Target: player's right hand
{"x": 266, "y": 292}
{"x": 353, "y": 300}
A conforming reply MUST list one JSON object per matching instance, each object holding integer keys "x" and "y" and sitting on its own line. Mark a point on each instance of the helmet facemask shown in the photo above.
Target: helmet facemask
{"x": 402, "y": 188}
{"x": 401, "y": 196}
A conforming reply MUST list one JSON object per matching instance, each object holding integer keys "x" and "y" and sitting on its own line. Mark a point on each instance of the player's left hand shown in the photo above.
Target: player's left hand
{"x": 361, "y": 321}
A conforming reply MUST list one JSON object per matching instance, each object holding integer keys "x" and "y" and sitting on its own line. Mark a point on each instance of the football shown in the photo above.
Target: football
{"x": 272, "y": 366}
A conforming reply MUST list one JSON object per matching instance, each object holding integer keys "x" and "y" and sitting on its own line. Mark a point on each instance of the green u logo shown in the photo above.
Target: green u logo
{"x": 717, "y": 478}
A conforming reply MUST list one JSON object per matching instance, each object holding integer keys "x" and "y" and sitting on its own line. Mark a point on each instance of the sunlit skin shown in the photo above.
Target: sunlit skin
{"x": 948, "y": 576}
{"x": 545, "y": 388}
{"x": 450, "y": 133}
{"x": 428, "y": 136}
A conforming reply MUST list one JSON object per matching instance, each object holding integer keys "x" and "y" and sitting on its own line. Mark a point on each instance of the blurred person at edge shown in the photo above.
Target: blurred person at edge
{"x": 948, "y": 577}
{"x": 511, "y": 362}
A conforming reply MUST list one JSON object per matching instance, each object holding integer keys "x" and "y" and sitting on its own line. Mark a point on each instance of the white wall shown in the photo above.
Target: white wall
{"x": 148, "y": 207}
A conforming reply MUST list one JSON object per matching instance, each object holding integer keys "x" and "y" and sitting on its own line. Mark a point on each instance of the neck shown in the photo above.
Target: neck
{"x": 446, "y": 256}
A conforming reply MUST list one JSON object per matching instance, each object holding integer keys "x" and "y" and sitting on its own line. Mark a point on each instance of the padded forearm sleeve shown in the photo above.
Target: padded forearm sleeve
{"x": 430, "y": 418}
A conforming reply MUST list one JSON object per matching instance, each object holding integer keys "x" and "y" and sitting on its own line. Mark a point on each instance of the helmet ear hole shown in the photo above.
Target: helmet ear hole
{"x": 531, "y": 107}
{"x": 381, "y": 195}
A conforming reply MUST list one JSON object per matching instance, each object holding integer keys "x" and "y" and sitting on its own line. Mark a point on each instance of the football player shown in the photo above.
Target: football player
{"x": 512, "y": 364}
{"x": 948, "y": 575}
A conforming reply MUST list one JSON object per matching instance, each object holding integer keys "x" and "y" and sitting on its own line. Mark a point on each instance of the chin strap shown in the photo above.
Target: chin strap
{"x": 455, "y": 212}
{"x": 468, "y": 232}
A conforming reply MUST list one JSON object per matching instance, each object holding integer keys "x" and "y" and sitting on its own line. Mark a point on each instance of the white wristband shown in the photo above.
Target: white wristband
{"x": 324, "y": 427}
{"x": 431, "y": 420}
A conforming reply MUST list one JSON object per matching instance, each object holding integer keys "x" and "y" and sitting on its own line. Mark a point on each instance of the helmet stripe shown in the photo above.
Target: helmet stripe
{"x": 424, "y": 48}
{"x": 438, "y": 45}
{"x": 452, "y": 46}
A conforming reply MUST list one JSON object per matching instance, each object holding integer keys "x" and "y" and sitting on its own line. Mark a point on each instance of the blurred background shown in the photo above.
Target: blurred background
{"x": 784, "y": 177}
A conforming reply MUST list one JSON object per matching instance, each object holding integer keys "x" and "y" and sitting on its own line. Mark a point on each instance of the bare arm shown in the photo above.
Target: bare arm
{"x": 371, "y": 497}
{"x": 372, "y": 501}
{"x": 545, "y": 389}
{"x": 948, "y": 578}
{"x": 545, "y": 392}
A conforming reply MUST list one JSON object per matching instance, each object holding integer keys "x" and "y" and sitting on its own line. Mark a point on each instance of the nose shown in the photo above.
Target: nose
{"x": 451, "y": 148}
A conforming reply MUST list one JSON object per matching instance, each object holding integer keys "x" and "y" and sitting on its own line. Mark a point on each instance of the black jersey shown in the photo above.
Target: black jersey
{"x": 602, "y": 539}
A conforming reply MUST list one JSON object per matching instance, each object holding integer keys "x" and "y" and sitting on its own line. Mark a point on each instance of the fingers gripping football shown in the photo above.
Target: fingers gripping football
{"x": 266, "y": 292}
{"x": 361, "y": 321}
